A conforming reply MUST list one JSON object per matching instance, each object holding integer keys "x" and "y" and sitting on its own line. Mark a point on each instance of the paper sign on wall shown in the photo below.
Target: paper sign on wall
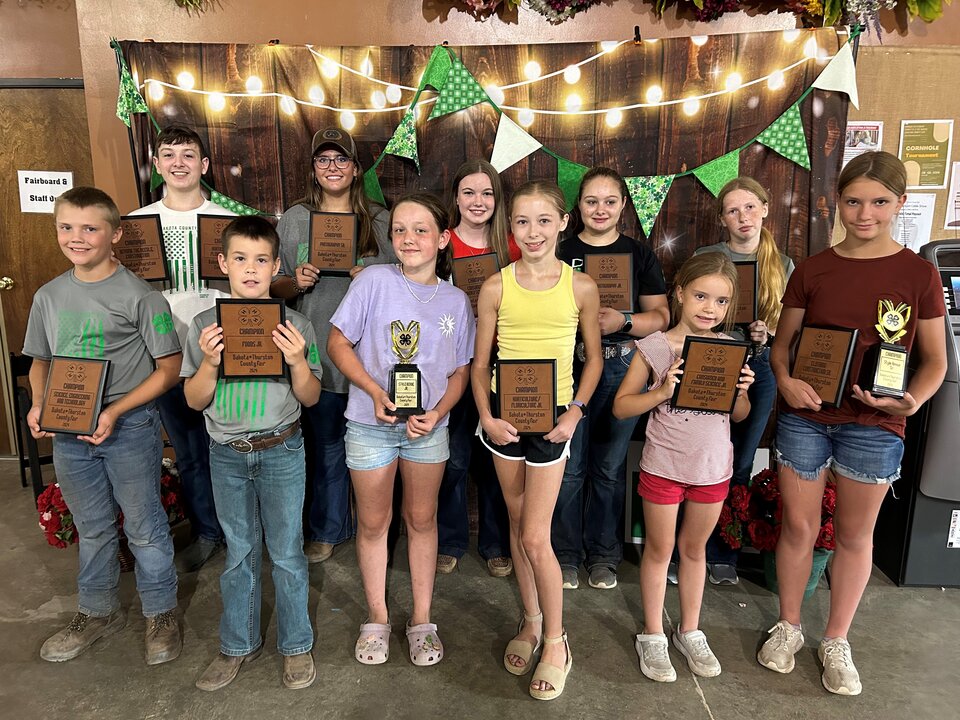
{"x": 915, "y": 221}
{"x": 39, "y": 188}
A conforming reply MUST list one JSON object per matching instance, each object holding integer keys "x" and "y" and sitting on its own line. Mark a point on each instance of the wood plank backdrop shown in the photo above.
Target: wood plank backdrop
{"x": 260, "y": 154}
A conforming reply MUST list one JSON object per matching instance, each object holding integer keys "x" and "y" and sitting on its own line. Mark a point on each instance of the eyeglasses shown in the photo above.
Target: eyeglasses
{"x": 341, "y": 161}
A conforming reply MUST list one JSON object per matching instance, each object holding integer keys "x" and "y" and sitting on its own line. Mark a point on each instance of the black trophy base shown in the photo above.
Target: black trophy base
{"x": 884, "y": 370}
{"x": 405, "y": 390}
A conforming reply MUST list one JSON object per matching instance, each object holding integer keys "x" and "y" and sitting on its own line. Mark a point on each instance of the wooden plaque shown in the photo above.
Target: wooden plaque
{"x": 527, "y": 395}
{"x": 333, "y": 242}
{"x": 822, "y": 360}
{"x": 711, "y": 370}
{"x": 746, "y": 310}
{"x": 614, "y": 277}
{"x": 74, "y": 395}
{"x": 248, "y": 346}
{"x": 141, "y": 249}
{"x": 469, "y": 274}
{"x": 209, "y": 246}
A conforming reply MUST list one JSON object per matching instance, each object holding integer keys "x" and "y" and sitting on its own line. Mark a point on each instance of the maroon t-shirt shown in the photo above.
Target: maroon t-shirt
{"x": 844, "y": 292}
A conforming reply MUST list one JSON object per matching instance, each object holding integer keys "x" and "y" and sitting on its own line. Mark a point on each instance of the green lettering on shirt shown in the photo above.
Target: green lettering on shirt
{"x": 236, "y": 400}
{"x": 162, "y": 323}
{"x": 79, "y": 334}
{"x": 313, "y": 355}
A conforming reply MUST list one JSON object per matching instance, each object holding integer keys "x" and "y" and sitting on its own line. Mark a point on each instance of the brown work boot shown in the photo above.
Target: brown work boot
{"x": 224, "y": 669}
{"x": 499, "y": 566}
{"x": 446, "y": 564}
{"x": 299, "y": 671}
{"x": 317, "y": 552}
{"x": 164, "y": 641}
{"x": 82, "y": 632}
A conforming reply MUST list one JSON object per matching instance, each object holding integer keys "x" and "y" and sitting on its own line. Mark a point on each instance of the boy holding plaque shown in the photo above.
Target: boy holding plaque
{"x": 687, "y": 457}
{"x": 871, "y": 284}
{"x": 588, "y": 520}
{"x": 101, "y": 312}
{"x": 256, "y": 457}
{"x": 181, "y": 160}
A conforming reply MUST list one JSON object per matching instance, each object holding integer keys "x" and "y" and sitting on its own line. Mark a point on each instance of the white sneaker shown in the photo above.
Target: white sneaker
{"x": 777, "y": 652}
{"x": 840, "y": 676}
{"x": 654, "y": 653}
{"x": 700, "y": 658}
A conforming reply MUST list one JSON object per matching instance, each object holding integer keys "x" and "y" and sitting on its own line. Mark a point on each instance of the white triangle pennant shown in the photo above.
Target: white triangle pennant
{"x": 512, "y": 145}
{"x": 841, "y": 74}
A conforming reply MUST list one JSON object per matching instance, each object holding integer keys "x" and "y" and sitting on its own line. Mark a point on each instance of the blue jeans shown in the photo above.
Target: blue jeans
{"x": 329, "y": 518}
{"x": 124, "y": 471}
{"x": 260, "y": 495}
{"x": 591, "y": 528}
{"x": 453, "y": 526}
{"x": 190, "y": 441}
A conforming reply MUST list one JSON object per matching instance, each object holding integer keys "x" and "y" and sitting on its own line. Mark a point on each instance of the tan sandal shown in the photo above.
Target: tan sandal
{"x": 556, "y": 677}
{"x": 522, "y": 649}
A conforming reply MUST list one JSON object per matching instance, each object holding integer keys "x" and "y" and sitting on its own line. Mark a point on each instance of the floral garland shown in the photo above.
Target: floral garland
{"x": 555, "y": 11}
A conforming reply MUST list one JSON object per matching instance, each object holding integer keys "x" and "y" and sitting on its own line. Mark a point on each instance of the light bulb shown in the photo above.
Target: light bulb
{"x": 609, "y": 45}
{"x": 571, "y": 74}
{"x": 525, "y": 117}
{"x": 216, "y": 101}
{"x": 532, "y": 70}
{"x": 185, "y": 80}
{"x": 810, "y": 48}
{"x": 378, "y": 98}
{"x": 699, "y": 40}
{"x": 573, "y": 102}
{"x": 316, "y": 95}
{"x": 254, "y": 85}
{"x": 654, "y": 94}
{"x": 613, "y": 118}
{"x": 348, "y": 120}
{"x": 494, "y": 93}
{"x": 155, "y": 89}
{"x": 691, "y": 106}
{"x": 393, "y": 93}
{"x": 329, "y": 68}
{"x": 288, "y": 105}
{"x": 776, "y": 81}
{"x": 791, "y": 35}
{"x": 366, "y": 67}
{"x": 733, "y": 81}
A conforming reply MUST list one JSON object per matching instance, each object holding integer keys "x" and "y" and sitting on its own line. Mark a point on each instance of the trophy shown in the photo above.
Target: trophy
{"x": 884, "y": 369}
{"x": 405, "y": 376}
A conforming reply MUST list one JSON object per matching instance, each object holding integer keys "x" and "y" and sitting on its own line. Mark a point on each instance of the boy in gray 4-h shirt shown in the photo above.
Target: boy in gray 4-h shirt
{"x": 256, "y": 464}
{"x": 100, "y": 310}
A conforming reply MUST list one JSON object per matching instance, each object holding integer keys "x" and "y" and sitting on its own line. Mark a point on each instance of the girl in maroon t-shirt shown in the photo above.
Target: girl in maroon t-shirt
{"x": 861, "y": 442}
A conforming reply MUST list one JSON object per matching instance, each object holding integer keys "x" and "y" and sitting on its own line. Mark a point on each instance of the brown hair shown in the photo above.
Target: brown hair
{"x": 771, "y": 278}
{"x": 576, "y": 225}
{"x": 180, "y": 135}
{"x": 499, "y": 228}
{"x": 440, "y": 217}
{"x": 883, "y": 167}
{"x": 698, "y": 266}
{"x": 83, "y": 197}
{"x": 251, "y": 227}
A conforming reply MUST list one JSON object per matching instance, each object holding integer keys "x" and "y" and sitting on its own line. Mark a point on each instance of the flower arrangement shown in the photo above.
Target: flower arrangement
{"x": 753, "y": 514}
{"x": 555, "y": 11}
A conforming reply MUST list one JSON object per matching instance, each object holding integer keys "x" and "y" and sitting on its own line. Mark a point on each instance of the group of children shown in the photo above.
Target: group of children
{"x": 559, "y": 496}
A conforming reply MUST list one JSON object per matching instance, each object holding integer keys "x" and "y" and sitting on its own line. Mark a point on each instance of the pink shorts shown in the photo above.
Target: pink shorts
{"x": 661, "y": 491}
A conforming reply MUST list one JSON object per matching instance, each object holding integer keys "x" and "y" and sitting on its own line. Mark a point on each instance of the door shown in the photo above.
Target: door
{"x": 42, "y": 129}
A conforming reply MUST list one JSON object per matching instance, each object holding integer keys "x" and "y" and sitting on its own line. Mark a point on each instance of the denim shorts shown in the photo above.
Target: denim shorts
{"x": 863, "y": 453}
{"x": 374, "y": 446}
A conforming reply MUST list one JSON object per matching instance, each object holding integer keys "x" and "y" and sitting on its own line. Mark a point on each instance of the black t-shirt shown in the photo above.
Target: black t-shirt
{"x": 647, "y": 273}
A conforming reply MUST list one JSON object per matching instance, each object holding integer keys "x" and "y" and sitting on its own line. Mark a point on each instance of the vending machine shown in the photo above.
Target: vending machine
{"x": 917, "y": 540}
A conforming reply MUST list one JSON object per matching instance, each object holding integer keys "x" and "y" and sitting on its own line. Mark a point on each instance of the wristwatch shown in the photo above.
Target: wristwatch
{"x": 580, "y": 404}
{"x": 627, "y": 322}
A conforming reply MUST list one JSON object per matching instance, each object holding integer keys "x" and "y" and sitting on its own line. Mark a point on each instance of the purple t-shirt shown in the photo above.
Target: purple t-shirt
{"x": 443, "y": 327}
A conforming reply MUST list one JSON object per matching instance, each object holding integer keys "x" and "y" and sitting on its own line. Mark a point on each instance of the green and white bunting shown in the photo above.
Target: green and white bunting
{"x": 404, "y": 140}
{"x": 717, "y": 173}
{"x": 841, "y": 74}
{"x": 156, "y": 179}
{"x": 232, "y": 205}
{"x": 648, "y": 194}
{"x": 438, "y": 67}
{"x": 787, "y": 137}
{"x": 460, "y": 90}
{"x": 512, "y": 145}
{"x": 371, "y": 186}
{"x": 129, "y": 99}
{"x": 569, "y": 175}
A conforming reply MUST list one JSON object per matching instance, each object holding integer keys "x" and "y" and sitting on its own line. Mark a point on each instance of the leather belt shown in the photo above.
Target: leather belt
{"x": 608, "y": 351}
{"x": 264, "y": 441}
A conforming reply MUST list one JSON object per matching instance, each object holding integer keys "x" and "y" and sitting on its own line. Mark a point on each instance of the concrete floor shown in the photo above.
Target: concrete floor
{"x": 906, "y": 644}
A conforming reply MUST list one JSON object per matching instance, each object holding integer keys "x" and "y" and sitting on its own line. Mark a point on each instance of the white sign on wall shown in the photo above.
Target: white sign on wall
{"x": 39, "y": 188}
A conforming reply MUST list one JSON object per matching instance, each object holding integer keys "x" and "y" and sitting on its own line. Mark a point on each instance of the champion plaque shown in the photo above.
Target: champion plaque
{"x": 73, "y": 397}
{"x": 209, "y": 245}
{"x": 614, "y": 277}
{"x": 711, "y": 370}
{"x": 405, "y": 381}
{"x": 822, "y": 360}
{"x": 884, "y": 369}
{"x": 333, "y": 242}
{"x": 527, "y": 395}
{"x": 469, "y": 274}
{"x": 746, "y": 311}
{"x": 248, "y": 347}
{"x": 141, "y": 249}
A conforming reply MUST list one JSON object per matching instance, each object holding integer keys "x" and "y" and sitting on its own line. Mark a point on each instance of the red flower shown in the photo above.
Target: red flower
{"x": 826, "y": 539}
{"x": 762, "y": 535}
{"x": 740, "y": 501}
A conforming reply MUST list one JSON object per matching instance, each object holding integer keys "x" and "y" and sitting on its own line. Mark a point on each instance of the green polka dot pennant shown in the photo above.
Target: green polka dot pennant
{"x": 648, "y": 194}
{"x": 232, "y": 205}
{"x": 717, "y": 173}
{"x": 569, "y": 175}
{"x": 129, "y": 99}
{"x": 404, "y": 140}
{"x": 787, "y": 137}
{"x": 460, "y": 91}
{"x": 371, "y": 186}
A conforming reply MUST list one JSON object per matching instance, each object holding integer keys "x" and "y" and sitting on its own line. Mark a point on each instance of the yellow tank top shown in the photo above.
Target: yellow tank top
{"x": 539, "y": 324}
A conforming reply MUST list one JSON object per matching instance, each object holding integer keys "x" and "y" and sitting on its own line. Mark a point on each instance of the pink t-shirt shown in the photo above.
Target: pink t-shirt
{"x": 688, "y": 446}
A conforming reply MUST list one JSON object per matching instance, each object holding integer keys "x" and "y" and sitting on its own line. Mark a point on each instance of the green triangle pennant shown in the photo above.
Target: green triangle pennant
{"x": 787, "y": 137}
{"x": 129, "y": 99}
{"x": 569, "y": 175}
{"x": 461, "y": 90}
{"x": 404, "y": 140}
{"x": 648, "y": 194}
{"x": 438, "y": 67}
{"x": 232, "y": 205}
{"x": 156, "y": 179}
{"x": 371, "y": 186}
{"x": 717, "y": 173}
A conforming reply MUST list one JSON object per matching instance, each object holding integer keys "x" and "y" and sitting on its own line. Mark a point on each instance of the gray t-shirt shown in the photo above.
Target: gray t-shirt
{"x": 120, "y": 318}
{"x": 320, "y": 302}
{"x": 241, "y": 408}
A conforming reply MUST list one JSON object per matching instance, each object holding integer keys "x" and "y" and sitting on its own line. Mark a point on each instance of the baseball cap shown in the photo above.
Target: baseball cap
{"x": 334, "y": 137}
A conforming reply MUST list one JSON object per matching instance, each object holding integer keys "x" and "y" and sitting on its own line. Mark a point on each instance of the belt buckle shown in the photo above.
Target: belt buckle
{"x": 245, "y": 446}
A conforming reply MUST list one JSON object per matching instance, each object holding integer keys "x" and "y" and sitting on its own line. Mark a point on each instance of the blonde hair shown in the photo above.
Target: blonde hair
{"x": 771, "y": 278}
{"x": 547, "y": 189}
{"x": 698, "y": 266}
{"x": 499, "y": 228}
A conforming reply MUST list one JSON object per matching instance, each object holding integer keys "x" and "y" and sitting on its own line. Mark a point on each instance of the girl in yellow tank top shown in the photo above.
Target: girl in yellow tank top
{"x": 533, "y": 308}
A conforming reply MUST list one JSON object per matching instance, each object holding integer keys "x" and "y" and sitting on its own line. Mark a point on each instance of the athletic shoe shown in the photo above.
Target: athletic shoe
{"x": 672, "y": 570}
{"x": 602, "y": 578}
{"x": 777, "y": 652}
{"x": 700, "y": 658}
{"x": 654, "y": 653}
{"x": 571, "y": 579}
{"x": 840, "y": 676}
{"x": 722, "y": 574}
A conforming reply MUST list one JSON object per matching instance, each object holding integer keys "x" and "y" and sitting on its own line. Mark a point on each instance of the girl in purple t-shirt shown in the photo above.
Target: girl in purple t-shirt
{"x": 671, "y": 471}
